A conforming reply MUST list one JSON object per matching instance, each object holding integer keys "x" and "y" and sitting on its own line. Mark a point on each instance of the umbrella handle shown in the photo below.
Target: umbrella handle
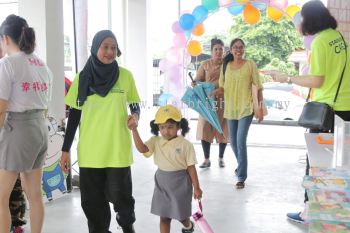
{"x": 190, "y": 74}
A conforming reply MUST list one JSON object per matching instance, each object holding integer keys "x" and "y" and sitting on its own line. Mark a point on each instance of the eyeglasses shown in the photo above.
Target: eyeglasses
{"x": 238, "y": 47}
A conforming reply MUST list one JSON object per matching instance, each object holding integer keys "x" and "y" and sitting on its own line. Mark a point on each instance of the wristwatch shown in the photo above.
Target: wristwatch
{"x": 289, "y": 80}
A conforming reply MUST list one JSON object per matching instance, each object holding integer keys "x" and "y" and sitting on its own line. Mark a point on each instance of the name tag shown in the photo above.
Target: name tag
{"x": 117, "y": 90}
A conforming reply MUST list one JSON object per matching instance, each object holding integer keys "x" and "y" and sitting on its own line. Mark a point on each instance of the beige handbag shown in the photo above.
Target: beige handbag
{"x": 256, "y": 106}
{"x": 256, "y": 103}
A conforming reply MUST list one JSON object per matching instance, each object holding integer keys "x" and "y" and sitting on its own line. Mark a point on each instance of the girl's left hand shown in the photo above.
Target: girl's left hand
{"x": 197, "y": 194}
{"x": 132, "y": 122}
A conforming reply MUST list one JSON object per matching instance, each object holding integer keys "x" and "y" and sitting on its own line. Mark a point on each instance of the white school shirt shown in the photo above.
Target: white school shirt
{"x": 25, "y": 82}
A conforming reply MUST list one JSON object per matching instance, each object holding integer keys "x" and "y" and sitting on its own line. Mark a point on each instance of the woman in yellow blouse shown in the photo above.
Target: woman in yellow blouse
{"x": 209, "y": 71}
{"x": 236, "y": 80}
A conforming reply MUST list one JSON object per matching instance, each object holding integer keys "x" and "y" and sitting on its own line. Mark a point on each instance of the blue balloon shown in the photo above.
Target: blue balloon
{"x": 297, "y": 19}
{"x": 259, "y": 6}
{"x": 187, "y": 21}
{"x": 188, "y": 34}
{"x": 163, "y": 99}
{"x": 200, "y": 13}
{"x": 235, "y": 9}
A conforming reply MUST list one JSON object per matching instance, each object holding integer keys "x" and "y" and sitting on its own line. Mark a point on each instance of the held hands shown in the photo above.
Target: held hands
{"x": 197, "y": 194}
{"x": 132, "y": 121}
{"x": 65, "y": 162}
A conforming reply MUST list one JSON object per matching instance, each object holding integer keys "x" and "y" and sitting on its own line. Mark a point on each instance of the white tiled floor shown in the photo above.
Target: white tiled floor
{"x": 272, "y": 189}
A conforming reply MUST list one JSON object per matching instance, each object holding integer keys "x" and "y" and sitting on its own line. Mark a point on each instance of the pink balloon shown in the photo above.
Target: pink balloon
{"x": 180, "y": 40}
{"x": 176, "y": 28}
{"x": 279, "y": 4}
{"x": 174, "y": 55}
{"x": 174, "y": 73}
{"x": 176, "y": 88}
{"x": 305, "y": 70}
{"x": 163, "y": 64}
{"x": 223, "y": 3}
{"x": 307, "y": 41}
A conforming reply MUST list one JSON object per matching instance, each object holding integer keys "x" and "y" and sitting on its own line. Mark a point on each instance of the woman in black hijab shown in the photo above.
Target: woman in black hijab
{"x": 98, "y": 98}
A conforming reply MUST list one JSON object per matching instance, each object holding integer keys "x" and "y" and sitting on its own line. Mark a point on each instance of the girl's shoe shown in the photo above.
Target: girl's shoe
{"x": 18, "y": 229}
{"x": 205, "y": 164}
{"x": 184, "y": 230}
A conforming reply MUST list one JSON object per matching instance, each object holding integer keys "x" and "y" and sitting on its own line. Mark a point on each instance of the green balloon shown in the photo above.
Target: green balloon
{"x": 211, "y": 5}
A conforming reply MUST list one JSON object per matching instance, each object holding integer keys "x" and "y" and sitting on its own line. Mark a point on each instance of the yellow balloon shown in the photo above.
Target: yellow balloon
{"x": 198, "y": 30}
{"x": 291, "y": 11}
{"x": 242, "y": 1}
{"x": 194, "y": 48}
{"x": 274, "y": 14}
{"x": 251, "y": 14}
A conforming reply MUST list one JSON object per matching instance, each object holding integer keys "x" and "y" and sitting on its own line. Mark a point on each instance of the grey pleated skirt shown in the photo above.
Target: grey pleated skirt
{"x": 172, "y": 195}
{"x": 23, "y": 141}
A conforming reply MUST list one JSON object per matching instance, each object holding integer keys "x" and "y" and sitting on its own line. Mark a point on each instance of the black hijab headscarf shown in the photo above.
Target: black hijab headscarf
{"x": 96, "y": 77}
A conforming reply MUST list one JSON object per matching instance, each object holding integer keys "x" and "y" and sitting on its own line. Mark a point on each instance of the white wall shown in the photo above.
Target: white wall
{"x": 137, "y": 57}
{"x": 81, "y": 25}
{"x": 46, "y": 17}
{"x": 340, "y": 9}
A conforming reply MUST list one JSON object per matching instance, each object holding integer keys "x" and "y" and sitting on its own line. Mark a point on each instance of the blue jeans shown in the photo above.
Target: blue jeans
{"x": 238, "y": 132}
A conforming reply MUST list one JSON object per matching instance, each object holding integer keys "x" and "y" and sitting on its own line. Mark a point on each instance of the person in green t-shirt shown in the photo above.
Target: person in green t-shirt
{"x": 98, "y": 99}
{"x": 328, "y": 59}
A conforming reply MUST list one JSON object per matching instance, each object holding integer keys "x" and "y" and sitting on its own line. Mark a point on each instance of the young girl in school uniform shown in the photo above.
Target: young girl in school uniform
{"x": 176, "y": 174}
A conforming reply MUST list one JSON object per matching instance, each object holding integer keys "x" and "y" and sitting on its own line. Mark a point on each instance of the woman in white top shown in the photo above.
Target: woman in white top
{"x": 25, "y": 84}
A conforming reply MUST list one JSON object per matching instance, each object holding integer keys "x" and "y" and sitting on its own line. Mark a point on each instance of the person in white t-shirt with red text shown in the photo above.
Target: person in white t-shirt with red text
{"x": 25, "y": 87}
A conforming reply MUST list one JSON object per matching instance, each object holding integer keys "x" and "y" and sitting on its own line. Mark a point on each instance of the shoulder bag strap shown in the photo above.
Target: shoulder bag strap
{"x": 342, "y": 74}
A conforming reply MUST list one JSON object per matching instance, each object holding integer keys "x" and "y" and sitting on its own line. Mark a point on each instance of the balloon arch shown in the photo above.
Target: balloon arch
{"x": 189, "y": 28}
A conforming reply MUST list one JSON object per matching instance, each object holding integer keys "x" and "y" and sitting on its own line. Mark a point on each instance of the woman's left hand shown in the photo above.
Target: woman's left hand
{"x": 260, "y": 115}
{"x": 132, "y": 121}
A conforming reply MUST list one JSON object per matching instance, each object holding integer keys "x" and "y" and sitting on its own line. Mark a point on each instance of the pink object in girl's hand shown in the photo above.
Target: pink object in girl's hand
{"x": 201, "y": 221}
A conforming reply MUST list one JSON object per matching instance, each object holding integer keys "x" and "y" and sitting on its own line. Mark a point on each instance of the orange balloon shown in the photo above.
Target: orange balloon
{"x": 198, "y": 30}
{"x": 251, "y": 14}
{"x": 194, "y": 48}
{"x": 274, "y": 14}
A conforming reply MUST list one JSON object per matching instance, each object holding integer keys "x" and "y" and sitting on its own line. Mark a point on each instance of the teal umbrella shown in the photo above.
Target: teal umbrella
{"x": 198, "y": 98}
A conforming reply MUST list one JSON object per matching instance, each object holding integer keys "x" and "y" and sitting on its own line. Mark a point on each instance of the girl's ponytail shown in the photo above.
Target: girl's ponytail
{"x": 184, "y": 126}
{"x": 154, "y": 128}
